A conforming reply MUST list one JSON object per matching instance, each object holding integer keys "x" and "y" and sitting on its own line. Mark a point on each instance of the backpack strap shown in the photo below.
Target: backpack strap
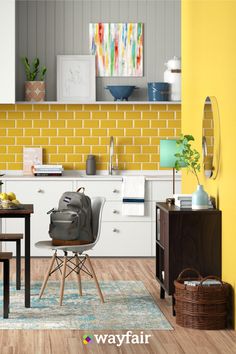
{"x": 80, "y": 189}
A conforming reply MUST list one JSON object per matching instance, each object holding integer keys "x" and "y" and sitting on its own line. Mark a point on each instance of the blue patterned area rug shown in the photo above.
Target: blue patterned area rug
{"x": 128, "y": 306}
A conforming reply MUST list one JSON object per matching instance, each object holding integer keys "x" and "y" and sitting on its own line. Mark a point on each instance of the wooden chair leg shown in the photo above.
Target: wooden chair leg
{"x": 63, "y": 275}
{"x": 78, "y": 275}
{"x": 47, "y": 275}
{"x": 95, "y": 278}
{"x": 18, "y": 264}
{"x": 6, "y": 297}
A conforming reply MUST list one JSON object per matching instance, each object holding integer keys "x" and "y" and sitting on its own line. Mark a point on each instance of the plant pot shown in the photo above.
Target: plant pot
{"x": 34, "y": 91}
{"x": 200, "y": 198}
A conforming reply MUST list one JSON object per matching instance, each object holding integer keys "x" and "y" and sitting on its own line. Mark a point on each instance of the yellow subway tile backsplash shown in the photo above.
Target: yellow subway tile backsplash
{"x": 68, "y": 133}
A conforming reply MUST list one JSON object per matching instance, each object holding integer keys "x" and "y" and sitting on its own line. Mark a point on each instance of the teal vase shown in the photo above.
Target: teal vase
{"x": 200, "y": 198}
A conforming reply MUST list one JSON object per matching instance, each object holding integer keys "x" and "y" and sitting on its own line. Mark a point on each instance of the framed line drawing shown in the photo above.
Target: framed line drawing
{"x": 76, "y": 78}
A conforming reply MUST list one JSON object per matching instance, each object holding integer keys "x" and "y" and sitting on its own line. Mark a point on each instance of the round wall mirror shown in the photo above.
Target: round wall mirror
{"x": 211, "y": 137}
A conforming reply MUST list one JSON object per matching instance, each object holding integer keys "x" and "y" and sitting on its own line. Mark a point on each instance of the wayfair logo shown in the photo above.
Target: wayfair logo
{"x": 118, "y": 339}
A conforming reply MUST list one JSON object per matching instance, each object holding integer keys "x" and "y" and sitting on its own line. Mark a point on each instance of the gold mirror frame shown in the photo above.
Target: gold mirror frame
{"x": 211, "y": 160}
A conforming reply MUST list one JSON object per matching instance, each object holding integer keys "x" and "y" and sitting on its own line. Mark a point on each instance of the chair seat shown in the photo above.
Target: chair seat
{"x": 5, "y": 255}
{"x": 74, "y": 248}
{"x": 10, "y": 237}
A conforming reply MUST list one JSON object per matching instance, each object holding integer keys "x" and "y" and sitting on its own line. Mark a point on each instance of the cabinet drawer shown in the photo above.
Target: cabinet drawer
{"x": 124, "y": 239}
{"x": 111, "y": 190}
{"x": 113, "y": 212}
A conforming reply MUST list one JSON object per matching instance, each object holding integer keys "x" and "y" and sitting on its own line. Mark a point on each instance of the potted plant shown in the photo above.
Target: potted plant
{"x": 189, "y": 158}
{"x": 34, "y": 90}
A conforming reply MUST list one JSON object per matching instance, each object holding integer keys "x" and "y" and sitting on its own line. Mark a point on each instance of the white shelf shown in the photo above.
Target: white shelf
{"x": 103, "y": 102}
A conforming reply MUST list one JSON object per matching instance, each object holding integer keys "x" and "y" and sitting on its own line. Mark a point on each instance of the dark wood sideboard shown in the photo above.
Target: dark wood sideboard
{"x": 186, "y": 238}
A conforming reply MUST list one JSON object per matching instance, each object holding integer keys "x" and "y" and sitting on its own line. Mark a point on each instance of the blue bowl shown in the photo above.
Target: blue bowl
{"x": 120, "y": 92}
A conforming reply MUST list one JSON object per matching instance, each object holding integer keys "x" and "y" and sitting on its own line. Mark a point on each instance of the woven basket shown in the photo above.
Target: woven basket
{"x": 200, "y": 307}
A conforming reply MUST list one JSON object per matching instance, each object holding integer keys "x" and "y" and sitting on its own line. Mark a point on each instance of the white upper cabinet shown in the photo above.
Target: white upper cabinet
{"x": 7, "y": 50}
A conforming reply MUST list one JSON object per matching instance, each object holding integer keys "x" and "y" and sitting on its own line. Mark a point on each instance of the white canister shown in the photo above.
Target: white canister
{"x": 174, "y": 64}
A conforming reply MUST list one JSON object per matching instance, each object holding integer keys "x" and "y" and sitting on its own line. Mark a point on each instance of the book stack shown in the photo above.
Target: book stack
{"x": 208, "y": 282}
{"x": 185, "y": 201}
{"x": 47, "y": 170}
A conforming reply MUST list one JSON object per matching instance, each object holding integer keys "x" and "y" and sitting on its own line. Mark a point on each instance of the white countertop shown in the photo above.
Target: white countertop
{"x": 101, "y": 176}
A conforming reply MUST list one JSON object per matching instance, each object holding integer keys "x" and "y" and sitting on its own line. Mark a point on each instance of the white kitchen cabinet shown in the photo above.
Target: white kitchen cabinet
{"x": 7, "y": 50}
{"x": 44, "y": 195}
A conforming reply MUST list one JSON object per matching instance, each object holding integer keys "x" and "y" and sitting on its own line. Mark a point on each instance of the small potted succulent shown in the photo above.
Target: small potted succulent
{"x": 34, "y": 89}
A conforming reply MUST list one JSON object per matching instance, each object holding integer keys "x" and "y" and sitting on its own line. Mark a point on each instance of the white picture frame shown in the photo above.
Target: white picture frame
{"x": 76, "y": 78}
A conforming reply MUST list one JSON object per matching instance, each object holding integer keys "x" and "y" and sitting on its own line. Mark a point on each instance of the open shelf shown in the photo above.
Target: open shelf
{"x": 102, "y": 102}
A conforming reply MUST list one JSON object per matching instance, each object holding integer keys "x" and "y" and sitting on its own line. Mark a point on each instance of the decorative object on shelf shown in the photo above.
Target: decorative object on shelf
{"x": 170, "y": 201}
{"x": 118, "y": 48}
{"x": 76, "y": 79}
{"x": 121, "y": 92}
{"x": 91, "y": 165}
{"x": 190, "y": 157}
{"x": 34, "y": 89}
{"x": 31, "y": 157}
{"x": 211, "y": 137}
{"x": 172, "y": 75}
{"x": 158, "y": 91}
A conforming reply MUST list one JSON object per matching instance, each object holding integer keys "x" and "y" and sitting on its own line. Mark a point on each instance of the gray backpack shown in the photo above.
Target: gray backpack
{"x": 71, "y": 223}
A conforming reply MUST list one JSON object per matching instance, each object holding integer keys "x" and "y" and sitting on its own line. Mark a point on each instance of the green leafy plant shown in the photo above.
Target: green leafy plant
{"x": 188, "y": 157}
{"x": 32, "y": 70}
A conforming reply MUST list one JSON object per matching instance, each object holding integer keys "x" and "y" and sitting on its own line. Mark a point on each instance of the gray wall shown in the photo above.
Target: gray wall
{"x": 48, "y": 28}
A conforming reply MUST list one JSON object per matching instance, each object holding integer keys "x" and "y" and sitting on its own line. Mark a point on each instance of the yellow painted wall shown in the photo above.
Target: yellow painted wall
{"x": 68, "y": 133}
{"x": 209, "y": 68}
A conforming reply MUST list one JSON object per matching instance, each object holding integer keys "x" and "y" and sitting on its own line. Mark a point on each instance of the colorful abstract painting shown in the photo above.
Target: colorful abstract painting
{"x": 118, "y": 48}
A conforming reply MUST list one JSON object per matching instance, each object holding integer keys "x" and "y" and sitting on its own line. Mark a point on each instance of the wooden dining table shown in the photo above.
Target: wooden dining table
{"x": 24, "y": 212}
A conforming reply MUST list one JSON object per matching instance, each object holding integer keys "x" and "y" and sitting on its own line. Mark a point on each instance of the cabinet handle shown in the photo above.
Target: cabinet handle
{"x": 115, "y": 230}
{"x": 40, "y": 190}
{"x": 115, "y": 191}
{"x": 115, "y": 211}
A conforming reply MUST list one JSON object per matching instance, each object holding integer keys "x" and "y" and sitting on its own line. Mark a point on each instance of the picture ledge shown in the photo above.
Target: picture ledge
{"x": 102, "y": 102}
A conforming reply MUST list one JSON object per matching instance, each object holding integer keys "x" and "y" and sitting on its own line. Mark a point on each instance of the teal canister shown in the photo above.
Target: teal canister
{"x": 91, "y": 165}
{"x": 200, "y": 198}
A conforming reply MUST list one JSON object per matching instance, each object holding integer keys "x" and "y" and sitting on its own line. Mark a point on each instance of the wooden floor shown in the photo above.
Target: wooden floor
{"x": 70, "y": 342}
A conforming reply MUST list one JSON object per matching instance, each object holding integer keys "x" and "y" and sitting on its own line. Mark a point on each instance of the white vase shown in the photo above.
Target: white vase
{"x": 200, "y": 198}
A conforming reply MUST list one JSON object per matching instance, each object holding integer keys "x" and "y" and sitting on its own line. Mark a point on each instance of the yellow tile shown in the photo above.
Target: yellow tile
{"x": 24, "y": 107}
{"x": 150, "y": 115}
{"x": 116, "y": 115}
{"x": 149, "y": 149}
{"x": 159, "y": 123}
{"x": 105, "y": 141}
{"x": 15, "y": 115}
{"x": 99, "y": 149}
{"x": 49, "y": 115}
{"x": 141, "y": 107}
{"x": 207, "y": 123}
{"x": 155, "y": 141}
{"x": 149, "y": 166}
{"x": 102, "y": 158}
{"x": 57, "y": 107}
{"x": 82, "y": 149}
{"x": 65, "y": 132}
{"x": 141, "y": 158}
{"x": 3, "y": 149}
{"x": 108, "y": 107}
{"x": 71, "y": 123}
{"x": 91, "y": 107}
{"x": 74, "y": 158}
{"x": 3, "y": 132}
{"x": 57, "y": 124}
{"x": 58, "y": 141}
{"x": 91, "y": 123}
{"x": 91, "y": 141}
{"x": 7, "y": 107}
{"x": 65, "y": 115}
{"x": 141, "y": 141}
{"x": 166, "y": 132}
{"x": 133, "y": 115}
{"x": 174, "y": 123}
{"x": 41, "y": 107}
{"x": 3, "y": 115}
{"x": 116, "y": 132}
{"x": 82, "y": 132}
{"x": 99, "y": 115}
{"x": 101, "y": 166}
{"x": 24, "y": 141}
{"x": 141, "y": 123}
{"x": 133, "y": 166}
{"x": 32, "y": 132}
{"x": 158, "y": 107}
{"x": 49, "y": 132}
{"x": 82, "y": 115}
{"x": 150, "y": 132}
{"x": 7, "y": 141}
{"x": 65, "y": 149}
{"x": 40, "y": 123}
{"x": 15, "y": 132}
{"x": 125, "y": 158}
{"x": 7, "y": 124}
{"x": 24, "y": 124}
{"x": 3, "y": 166}
{"x": 108, "y": 124}
{"x": 178, "y": 115}
{"x": 32, "y": 115}
{"x": 125, "y": 124}
{"x": 14, "y": 166}
{"x": 74, "y": 141}
{"x": 124, "y": 141}
{"x": 155, "y": 158}
{"x": 57, "y": 158}
{"x": 208, "y": 132}
{"x": 174, "y": 107}
{"x": 80, "y": 166}
{"x": 133, "y": 132}
{"x": 74, "y": 107}
{"x": 125, "y": 107}
{"x": 166, "y": 115}
{"x": 68, "y": 165}
{"x": 133, "y": 149}
{"x": 119, "y": 149}
{"x": 41, "y": 141}
{"x": 18, "y": 158}
{"x": 99, "y": 132}
{"x": 7, "y": 158}
{"x": 51, "y": 149}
